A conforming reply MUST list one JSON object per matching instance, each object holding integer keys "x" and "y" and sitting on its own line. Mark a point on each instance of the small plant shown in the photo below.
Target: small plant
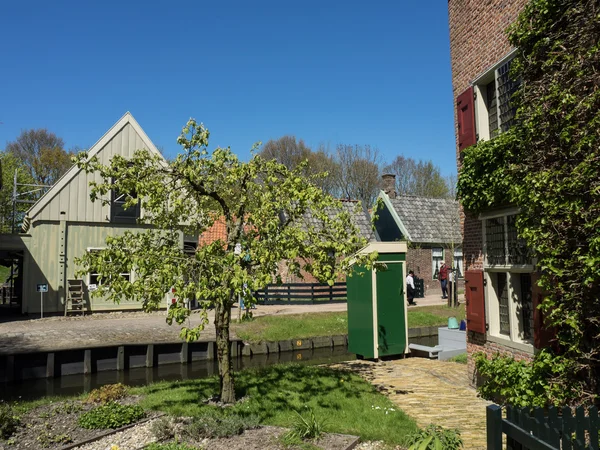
{"x": 435, "y": 437}
{"x": 461, "y": 359}
{"x": 107, "y": 393}
{"x": 9, "y": 421}
{"x": 68, "y": 408}
{"x": 163, "y": 429}
{"x": 47, "y": 439}
{"x": 219, "y": 424}
{"x": 304, "y": 428}
{"x": 110, "y": 415}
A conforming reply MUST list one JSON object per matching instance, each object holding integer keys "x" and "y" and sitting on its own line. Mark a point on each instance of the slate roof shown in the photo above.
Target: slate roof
{"x": 429, "y": 220}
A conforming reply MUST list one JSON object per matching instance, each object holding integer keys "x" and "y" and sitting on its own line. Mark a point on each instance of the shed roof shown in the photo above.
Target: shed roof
{"x": 427, "y": 220}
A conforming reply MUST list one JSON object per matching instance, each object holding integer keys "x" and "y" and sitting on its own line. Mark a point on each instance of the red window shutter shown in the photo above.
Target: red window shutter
{"x": 542, "y": 334}
{"x": 465, "y": 109}
{"x": 475, "y": 301}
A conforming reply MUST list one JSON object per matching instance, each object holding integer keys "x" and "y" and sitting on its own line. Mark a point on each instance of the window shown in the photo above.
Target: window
{"x": 118, "y": 213}
{"x": 437, "y": 254}
{"x": 493, "y": 91}
{"x": 508, "y": 266}
{"x": 94, "y": 279}
{"x": 503, "y": 247}
{"x": 458, "y": 262}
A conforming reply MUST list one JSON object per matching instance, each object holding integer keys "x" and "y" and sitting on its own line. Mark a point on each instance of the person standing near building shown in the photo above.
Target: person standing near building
{"x": 410, "y": 287}
{"x": 443, "y": 277}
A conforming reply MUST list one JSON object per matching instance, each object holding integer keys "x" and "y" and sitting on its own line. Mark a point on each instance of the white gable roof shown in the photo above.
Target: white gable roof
{"x": 140, "y": 138}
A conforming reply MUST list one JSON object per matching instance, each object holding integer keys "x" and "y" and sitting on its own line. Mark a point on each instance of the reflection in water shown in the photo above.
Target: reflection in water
{"x": 77, "y": 384}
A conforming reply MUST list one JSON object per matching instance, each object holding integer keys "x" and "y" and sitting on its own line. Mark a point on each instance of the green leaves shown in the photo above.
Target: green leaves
{"x": 548, "y": 165}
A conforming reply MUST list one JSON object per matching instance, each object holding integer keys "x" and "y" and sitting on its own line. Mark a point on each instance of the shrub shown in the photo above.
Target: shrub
{"x": 47, "y": 439}
{"x": 543, "y": 382}
{"x": 461, "y": 359}
{"x": 107, "y": 393}
{"x": 305, "y": 427}
{"x": 9, "y": 421}
{"x": 435, "y": 437}
{"x": 163, "y": 429}
{"x": 111, "y": 415}
{"x": 219, "y": 424}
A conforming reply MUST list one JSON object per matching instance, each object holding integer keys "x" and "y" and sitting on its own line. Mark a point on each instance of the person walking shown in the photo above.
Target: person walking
{"x": 410, "y": 288}
{"x": 443, "y": 277}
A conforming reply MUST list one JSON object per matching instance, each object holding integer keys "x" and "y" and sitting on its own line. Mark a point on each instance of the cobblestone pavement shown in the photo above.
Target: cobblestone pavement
{"x": 430, "y": 391}
{"x": 117, "y": 328}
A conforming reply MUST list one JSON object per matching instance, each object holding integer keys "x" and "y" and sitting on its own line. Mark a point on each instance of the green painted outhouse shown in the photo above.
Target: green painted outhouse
{"x": 377, "y": 303}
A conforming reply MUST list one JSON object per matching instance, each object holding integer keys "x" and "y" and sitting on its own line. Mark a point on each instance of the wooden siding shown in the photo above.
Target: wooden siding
{"x": 42, "y": 263}
{"x": 74, "y": 197}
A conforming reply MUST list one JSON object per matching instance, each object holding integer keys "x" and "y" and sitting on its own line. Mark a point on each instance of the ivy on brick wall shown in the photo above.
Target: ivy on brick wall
{"x": 549, "y": 165}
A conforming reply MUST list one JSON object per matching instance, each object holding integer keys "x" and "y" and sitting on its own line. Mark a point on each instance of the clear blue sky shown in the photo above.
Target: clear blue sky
{"x": 330, "y": 72}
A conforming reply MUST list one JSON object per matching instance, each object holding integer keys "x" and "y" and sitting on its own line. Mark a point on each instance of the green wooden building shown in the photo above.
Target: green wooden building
{"x": 377, "y": 304}
{"x": 65, "y": 223}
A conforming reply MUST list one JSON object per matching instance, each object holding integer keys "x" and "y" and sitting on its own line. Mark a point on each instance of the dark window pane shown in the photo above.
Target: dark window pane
{"x": 526, "y": 305}
{"x": 502, "y": 294}
{"x": 117, "y": 208}
{"x": 518, "y": 252}
{"x": 506, "y": 88}
{"x": 494, "y": 238}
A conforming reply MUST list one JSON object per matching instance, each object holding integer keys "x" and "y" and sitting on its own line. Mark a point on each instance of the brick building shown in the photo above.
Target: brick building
{"x": 431, "y": 226}
{"x": 499, "y": 273}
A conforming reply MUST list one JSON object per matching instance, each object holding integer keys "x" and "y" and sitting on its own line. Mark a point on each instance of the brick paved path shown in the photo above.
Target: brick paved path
{"x": 430, "y": 391}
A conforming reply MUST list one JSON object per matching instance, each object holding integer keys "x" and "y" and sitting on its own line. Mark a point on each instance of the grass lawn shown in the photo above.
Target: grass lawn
{"x": 296, "y": 326}
{"x": 346, "y": 402}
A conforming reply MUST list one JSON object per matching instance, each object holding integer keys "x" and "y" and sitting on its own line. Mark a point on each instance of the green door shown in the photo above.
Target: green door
{"x": 390, "y": 310}
{"x": 360, "y": 312}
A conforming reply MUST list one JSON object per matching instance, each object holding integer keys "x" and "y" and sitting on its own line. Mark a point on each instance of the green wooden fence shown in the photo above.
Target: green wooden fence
{"x": 540, "y": 429}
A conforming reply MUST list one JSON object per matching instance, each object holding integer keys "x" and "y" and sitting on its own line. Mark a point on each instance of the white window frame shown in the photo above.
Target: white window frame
{"x": 435, "y": 258}
{"x": 482, "y": 123}
{"x": 458, "y": 262}
{"x": 89, "y": 275}
{"x": 516, "y": 338}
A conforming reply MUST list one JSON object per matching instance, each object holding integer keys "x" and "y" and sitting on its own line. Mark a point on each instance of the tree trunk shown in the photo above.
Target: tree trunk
{"x": 222, "y": 320}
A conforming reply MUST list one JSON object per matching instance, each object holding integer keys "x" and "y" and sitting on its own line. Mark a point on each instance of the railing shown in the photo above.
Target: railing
{"x": 538, "y": 429}
{"x": 302, "y": 292}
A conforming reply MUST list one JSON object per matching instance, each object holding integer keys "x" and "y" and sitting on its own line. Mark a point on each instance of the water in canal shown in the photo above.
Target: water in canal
{"x": 77, "y": 384}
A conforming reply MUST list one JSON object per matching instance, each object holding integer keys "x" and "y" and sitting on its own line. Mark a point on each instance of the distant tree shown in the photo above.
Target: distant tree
{"x": 422, "y": 178}
{"x": 43, "y": 154}
{"x": 291, "y": 153}
{"x": 10, "y": 163}
{"x": 357, "y": 175}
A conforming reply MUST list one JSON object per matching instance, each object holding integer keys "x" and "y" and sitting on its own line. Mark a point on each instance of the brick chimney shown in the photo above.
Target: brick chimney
{"x": 389, "y": 184}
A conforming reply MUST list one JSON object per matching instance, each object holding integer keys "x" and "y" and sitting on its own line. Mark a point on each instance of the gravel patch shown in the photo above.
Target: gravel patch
{"x": 130, "y": 439}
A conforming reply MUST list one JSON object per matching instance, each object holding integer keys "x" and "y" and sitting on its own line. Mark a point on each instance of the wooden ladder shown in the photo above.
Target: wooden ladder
{"x": 75, "y": 301}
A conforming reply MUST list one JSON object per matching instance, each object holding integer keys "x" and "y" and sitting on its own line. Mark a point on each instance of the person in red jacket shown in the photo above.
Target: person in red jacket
{"x": 443, "y": 277}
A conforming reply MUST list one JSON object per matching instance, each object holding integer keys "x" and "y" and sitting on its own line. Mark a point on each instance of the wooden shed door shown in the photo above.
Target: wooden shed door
{"x": 391, "y": 321}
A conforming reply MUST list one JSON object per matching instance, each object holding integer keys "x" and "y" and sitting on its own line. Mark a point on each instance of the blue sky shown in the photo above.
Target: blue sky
{"x": 330, "y": 72}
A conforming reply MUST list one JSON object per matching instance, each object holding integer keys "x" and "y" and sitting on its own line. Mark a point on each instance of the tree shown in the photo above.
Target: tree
{"x": 8, "y": 216}
{"x": 421, "y": 178}
{"x": 357, "y": 175}
{"x": 291, "y": 153}
{"x": 43, "y": 153}
{"x": 263, "y": 204}
{"x": 548, "y": 165}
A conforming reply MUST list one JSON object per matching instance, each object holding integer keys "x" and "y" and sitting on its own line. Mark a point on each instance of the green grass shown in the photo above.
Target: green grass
{"x": 346, "y": 402}
{"x": 4, "y": 273}
{"x": 292, "y": 326}
{"x": 431, "y": 316}
{"x": 462, "y": 359}
{"x": 298, "y": 326}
